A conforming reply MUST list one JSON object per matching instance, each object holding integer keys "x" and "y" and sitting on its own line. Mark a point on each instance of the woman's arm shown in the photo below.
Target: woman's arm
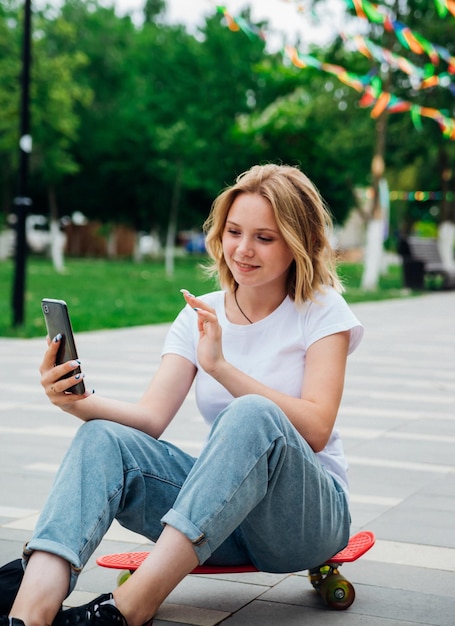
{"x": 314, "y": 413}
{"x": 151, "y": 414}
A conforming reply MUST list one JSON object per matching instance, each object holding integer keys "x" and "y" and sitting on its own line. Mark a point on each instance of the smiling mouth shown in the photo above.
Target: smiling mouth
{"x": 245, "y": 266}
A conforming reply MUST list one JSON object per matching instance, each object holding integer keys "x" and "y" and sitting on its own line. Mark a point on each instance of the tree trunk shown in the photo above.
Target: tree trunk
{"x": 446, "y": 241}
{"x": 172, "y": 224}
{"x": 446, "y": 230}
{"x": 375, "y": 226}
{"x": 58, "y": 239}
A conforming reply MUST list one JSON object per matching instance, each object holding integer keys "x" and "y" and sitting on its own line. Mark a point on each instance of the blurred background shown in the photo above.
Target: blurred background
{"x": 140, "y": 112}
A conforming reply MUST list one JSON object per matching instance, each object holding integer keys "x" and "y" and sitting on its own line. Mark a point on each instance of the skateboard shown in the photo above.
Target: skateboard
{"x": 334, "y": 589}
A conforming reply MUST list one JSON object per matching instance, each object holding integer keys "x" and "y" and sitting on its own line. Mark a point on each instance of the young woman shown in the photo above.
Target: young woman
{"x": 268, "y": 353}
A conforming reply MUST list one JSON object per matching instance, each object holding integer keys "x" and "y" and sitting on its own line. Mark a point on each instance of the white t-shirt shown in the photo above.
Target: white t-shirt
{"x": 271, "y": 351}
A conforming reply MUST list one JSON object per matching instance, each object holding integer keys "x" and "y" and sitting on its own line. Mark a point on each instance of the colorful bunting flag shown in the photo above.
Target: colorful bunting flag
{"x": 444, "y": 6}
{"x": 424, "y": 77}
{"x": 421, "y": 196}
{"x": 348, "y": 78}
{"x": 408, "y": 39}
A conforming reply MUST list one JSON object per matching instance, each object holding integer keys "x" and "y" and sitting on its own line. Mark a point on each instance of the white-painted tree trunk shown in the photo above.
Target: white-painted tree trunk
{"x": 169, "y": 250}
{"x": 377, "y": 232}
{"x": 58, "y": 241}
{"x": 446, "y": 241}
{"x": 137, "y": 254}
{"x": 373, "y": 262}
{"x": 112, "y": 244}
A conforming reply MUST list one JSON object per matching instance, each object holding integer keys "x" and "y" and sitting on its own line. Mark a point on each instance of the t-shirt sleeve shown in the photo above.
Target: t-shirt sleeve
{"x": 330, "y": 314}
{"x": 180, "y": 338}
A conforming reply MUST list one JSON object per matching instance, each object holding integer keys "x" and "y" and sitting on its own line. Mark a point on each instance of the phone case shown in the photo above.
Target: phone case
{"x": 57, "y": 321}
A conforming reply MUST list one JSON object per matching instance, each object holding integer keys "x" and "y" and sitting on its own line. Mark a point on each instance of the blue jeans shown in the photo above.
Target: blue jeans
{"x": 257, "y": 493}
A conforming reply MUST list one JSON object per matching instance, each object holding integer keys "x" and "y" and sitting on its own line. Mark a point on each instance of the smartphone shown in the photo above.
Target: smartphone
{"x": 58, "y": 321}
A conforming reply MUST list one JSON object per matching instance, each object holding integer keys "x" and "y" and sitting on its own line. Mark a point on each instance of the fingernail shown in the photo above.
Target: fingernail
{"x": 57, "y": 338}
{"x": 78, "y": 376}
{"x": 75, "y": 363}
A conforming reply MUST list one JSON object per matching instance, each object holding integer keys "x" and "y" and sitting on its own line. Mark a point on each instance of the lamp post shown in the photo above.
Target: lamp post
{"x": 22, "y": 202}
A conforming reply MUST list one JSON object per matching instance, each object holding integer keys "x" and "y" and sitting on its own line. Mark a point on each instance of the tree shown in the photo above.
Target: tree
{"x": 55, "y": 96}
{"x": 164, "y": 105}
{"x": 312, "y": 125}
{"x": 386, "y": 45}
{"x": 9, "y": 100}
{"x": 173, "y": 116}
{"x": 110, "y": 129}
{"x": 436, "y": 172}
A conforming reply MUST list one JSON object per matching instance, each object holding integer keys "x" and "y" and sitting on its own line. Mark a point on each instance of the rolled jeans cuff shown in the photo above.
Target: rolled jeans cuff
{"x": 52, "y": 547}
{"x": 193, "y": 533}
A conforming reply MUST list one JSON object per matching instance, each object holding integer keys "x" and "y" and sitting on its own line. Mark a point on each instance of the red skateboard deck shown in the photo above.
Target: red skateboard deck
{"x": 335, "y": 590}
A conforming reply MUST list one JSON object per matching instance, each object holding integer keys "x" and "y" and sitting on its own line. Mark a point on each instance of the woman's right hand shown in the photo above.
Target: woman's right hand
{"x": 209, "y": 350}
{"x": 56, "y": 387}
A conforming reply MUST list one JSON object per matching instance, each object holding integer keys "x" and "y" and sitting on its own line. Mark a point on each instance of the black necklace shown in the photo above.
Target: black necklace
{"x": 238, "y": 306}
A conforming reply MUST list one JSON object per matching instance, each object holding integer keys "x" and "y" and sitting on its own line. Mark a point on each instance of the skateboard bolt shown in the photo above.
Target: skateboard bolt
{"x": 339, "y": 594}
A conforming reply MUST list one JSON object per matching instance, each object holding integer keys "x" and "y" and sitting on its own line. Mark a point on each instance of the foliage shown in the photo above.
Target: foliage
{"x": 421, "y": 147}
{"x": 164, "y": 102}
{"x": 9, "y": 96}
{"x": 318, "y": 126}
{"x": 425, "y": 229}
{"x": 434, "y": 171}
{"x": 55, "y": 97}
{"x": 153, "y": 9}
{"x": 129, "y": 120}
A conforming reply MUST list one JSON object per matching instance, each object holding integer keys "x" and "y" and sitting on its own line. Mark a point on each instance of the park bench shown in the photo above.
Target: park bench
{"x": 421, "y": 258}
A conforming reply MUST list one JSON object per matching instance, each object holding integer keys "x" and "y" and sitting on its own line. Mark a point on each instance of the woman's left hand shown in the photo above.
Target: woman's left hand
{"x": 209, "y": 351}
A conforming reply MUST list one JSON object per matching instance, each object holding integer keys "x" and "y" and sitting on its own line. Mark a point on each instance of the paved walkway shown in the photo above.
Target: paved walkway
{"x": 398, "y": 423}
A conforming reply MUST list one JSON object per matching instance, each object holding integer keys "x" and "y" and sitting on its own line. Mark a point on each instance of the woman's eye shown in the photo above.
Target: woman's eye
{"x": 231, "y": 231}
{"x": 265, "y": 239}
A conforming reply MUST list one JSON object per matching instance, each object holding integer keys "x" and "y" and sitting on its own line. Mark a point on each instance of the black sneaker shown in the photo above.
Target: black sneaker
{"x": 13, "y": 621}
{"x": 99, "y": 612}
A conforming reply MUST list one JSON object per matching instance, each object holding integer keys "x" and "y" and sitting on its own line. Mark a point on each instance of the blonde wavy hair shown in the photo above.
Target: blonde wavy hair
{"x": 302, "y": 219}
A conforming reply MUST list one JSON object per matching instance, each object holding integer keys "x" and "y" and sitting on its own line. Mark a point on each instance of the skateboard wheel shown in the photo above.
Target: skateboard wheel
{"x": 337, "y": 592}
{"x": 123, "y": 577}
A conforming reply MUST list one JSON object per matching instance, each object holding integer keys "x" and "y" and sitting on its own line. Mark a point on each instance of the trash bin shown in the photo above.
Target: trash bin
{"x": 413, "y": 274}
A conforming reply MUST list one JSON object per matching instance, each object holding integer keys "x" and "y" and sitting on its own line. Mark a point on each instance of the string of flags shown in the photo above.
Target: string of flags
{"x": 421, "y": 196}
{"x": 416, "y": 196}
{"x": 409, "y": 39}
{"x": 370, "y": 85}
{"x": 422, "y": 77}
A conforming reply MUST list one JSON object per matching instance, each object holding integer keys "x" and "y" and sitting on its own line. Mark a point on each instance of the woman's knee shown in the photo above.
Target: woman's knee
{"x": 252, "y": 412}
{"x": 99, "y": 436}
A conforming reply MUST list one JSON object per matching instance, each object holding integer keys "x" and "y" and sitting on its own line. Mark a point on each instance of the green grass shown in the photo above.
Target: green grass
{"x": 115, "y": 294}
{"x": 102, "y": 293}
{"x": 390, "y": 284}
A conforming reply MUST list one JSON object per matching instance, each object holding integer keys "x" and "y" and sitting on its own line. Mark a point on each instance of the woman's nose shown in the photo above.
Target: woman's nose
{"x": 245, "y": 246}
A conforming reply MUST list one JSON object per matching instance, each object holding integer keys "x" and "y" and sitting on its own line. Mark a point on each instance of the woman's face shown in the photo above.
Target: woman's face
{"x": 253, "y": 246}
